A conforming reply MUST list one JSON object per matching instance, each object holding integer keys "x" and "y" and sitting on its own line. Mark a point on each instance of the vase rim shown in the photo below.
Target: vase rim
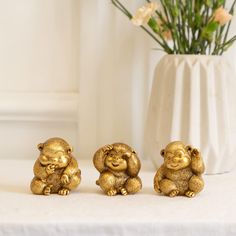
{"x": 193, "y": 55}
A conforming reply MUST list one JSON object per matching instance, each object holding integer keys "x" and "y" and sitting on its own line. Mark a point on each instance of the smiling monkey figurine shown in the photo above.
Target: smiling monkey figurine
{"x": 56, "y": 170}
{"x": 181, "y": 172}
{"x": 119, "y": 166}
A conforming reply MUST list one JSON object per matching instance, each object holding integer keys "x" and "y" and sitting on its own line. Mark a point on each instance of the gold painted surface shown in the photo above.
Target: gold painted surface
{"x": 181, "y": 172}
{"x": 55, "y": 170}
{"x": 119, "y": 166}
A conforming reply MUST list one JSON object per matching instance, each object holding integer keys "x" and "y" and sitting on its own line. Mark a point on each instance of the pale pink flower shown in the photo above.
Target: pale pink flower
{"x": 144, "y": 14}
{"x": 221, "y": 16}
{"x": 166, "y": 33}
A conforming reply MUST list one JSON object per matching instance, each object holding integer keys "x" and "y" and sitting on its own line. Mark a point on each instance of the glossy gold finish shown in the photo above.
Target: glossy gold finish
{"x": 181, "y": 172}
{"x": 119, "y": 166}
{"x": 56, "y": 170}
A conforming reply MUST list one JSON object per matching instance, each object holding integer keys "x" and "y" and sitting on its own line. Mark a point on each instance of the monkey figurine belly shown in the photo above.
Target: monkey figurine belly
{"x": 119, "y": 166}
{"x": 56, "y": 170}
{"x": 181, "y": 172}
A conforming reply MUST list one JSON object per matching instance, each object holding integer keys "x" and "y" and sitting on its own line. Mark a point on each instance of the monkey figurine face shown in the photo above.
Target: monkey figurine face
{"x": 115, "y": 161}
{"x": 176, "y": 156}
{"x": 56, "y": 170}
{"x": 118, "y": 165}
{"x": 181, "y": 171}
{"x": 55, "y": 153}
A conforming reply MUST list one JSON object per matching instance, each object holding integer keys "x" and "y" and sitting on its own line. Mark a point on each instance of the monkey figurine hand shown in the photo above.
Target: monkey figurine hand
{"x": 119, "y": 166}
{"x": 56, "y": 170}
{"x": 181, "y": 172}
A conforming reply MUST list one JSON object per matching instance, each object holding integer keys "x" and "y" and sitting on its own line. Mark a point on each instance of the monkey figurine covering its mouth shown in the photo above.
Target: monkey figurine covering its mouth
{"x": 55, "y": 170}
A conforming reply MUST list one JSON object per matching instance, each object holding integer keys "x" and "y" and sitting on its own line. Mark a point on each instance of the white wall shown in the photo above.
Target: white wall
{"x": 231, "y": 55}
{"x": 76, "y": 69}
{"x": 115, "y": 79}
{"x": 38, "y": 74}
{"x": 37, "y": 45}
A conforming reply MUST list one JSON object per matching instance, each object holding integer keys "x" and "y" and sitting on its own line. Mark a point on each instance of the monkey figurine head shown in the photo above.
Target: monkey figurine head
{"x": 55, "y": 151}
{"x": 117, "y": 157}
{"x": 116, "y": 161}
{"x": 177, "y": 156}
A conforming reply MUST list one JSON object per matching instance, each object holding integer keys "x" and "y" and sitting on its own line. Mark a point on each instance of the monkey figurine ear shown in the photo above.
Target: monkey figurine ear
{"x": 134, "y": 164}
{"x": 162, "y": 152}
{"x": 99, "y": 160}
{"x": 40, "y": 146}
{"x": 70, "y": 150}
{"x": 189, "y": 149}
{"x": 195, "y": 152}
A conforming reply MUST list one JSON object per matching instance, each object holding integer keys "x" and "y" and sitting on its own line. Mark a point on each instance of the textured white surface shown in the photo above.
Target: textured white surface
{"x": 87, "y": 211}
{"x": 190, "y": 102}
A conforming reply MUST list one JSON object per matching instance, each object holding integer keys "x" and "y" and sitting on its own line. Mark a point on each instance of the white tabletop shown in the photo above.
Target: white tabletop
{"x": 87, "y": 211}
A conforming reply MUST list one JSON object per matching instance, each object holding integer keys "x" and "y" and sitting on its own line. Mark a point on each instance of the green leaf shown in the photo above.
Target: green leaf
{"x": 167, "y": 2}
{"x": 212, "y": 26}
{"x": 195, "y": 47}
{"x": 175, "y": 11}
{"x": 198, "y": 21}
{"x": 209, "y": 3}
{"x": 218, "y": 4}
{"x": 207, "y": 32}
{"x": 153, "y": 25}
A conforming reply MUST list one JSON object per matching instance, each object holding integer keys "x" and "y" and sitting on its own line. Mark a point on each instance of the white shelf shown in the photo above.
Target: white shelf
{"x": 87, "y": 211}
{"x": 19, "y": 106}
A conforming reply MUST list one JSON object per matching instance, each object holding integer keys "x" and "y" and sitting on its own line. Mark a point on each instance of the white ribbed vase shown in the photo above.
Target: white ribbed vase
{"x": 189, "y": 102}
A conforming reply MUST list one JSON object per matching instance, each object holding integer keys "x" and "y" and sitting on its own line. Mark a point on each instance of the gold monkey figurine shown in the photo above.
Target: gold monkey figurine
{"x": 181, "y": 172}
{"x": 56, "y": 170}
{"x": 119, "y": 166}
